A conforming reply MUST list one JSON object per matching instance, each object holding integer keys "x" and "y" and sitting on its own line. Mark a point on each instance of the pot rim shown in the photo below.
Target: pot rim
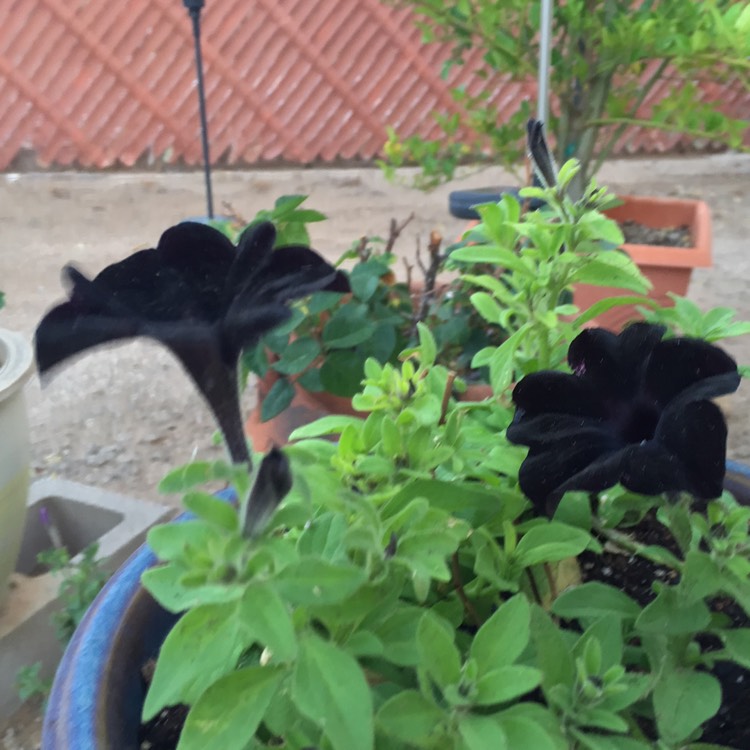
{"x": 16, "y": 362}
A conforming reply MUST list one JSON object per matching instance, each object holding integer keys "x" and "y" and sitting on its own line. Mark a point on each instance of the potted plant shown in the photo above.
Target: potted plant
{"x": 614, "y": 64}
{"x": 16, "y": 364}
{"x": 426, "y": 581}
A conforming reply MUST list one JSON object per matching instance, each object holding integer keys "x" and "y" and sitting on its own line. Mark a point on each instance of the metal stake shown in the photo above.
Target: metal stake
{"x": 545, "y": 43}
{"x": 194, "y": 9}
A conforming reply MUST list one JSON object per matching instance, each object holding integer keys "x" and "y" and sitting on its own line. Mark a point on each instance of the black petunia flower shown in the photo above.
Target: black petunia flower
{"x": 637, "y": 411}
{"x": 198, "y": 295}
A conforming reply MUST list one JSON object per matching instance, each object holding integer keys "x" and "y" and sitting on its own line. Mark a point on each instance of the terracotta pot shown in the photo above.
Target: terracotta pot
{"x": 668, "y": 268}
{"x": 306, "y": 407}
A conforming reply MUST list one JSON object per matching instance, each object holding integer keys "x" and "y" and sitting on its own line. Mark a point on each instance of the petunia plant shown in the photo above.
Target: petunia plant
{"x": 557, "y": 567}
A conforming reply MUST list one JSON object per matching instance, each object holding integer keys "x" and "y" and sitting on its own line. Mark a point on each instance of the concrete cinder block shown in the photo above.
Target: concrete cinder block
{"x": 82, "y": 515}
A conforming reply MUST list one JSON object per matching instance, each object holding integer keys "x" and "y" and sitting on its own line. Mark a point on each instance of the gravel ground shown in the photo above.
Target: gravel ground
{"x": 122, "y": 416}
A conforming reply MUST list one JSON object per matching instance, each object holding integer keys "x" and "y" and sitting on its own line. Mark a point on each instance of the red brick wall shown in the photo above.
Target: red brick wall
{"x": 97, "y": 83}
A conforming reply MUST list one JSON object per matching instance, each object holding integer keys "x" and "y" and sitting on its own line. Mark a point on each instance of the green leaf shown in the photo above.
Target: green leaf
{"x": 398, "y": 633}
{"x": 365, "y": 277}
{"x": 701, "y": 577}
{"x": 331, "y": 425}
{"x": 602, "y": 228}
{"x": 311, "y": 580}
{"x": 738, "y": 644}
{"x": 505, "y": 683}
{"x": 550, "y": 542}
{"x": 229, "y": 712}
{"x": 683, "y": 700}
{"x": 499, "y": 256}
{"x": 502, "y": 361}
{"x": 210, "y": 508}
{"x": 164, "y": 583}
{"x": 666, "y": 616}
{"x": 342, "y": 372}
{"x": 600, "y": 307}
{"x": 409, "y": 717}
{"x": 277, "y": 399}
{"x": 297, "y": 356}
{"x": 437, "y": 652}
{"x": 502, "y": 638}
{"x": 321, "y": 301}
{"x": 169, "y": 541}
{"x": 522, "y": 732}
{"x": 427, "y": 346}
{"x": 330, "y": 689}
{"x": 202, "y": 647}
{"x": 553, "y": 653}
{"x": 481, "y": 733}
{"x": 348, "y": 326}
{"x": 594, "y": 599}
{"x": 266, "y": 619}
{"x": 199, "y": 472}
{"x": 612, "y": 268}
{"x": 486, "y": 306}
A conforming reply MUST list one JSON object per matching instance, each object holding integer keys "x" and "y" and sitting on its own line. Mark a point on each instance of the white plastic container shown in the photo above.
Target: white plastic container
{"x": 16, "y": 364}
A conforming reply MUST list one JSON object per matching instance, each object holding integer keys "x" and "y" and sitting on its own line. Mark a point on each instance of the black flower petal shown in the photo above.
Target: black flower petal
{"x": 556, "y": 392}
{"x": 196, "y": 294}
{"x": 634, "y": 412}
{"x": 613, "y": 363}
{"x": 684, "y": 365}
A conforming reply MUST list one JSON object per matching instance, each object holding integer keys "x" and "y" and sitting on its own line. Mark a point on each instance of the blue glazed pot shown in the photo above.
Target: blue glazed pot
{"x": 98, "y": 692}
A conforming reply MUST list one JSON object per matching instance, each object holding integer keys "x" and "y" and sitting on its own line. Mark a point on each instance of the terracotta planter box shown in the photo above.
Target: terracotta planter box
{"x": 668, "y": 268}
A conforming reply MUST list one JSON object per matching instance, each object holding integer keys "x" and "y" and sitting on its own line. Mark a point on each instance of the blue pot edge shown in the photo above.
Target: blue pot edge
{"x": 72, "y": 714}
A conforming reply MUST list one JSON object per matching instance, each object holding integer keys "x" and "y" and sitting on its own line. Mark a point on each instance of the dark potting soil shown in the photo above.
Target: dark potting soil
{"x": 639, "y": 234}
{"x": 730, "y": 727}
{"x": 163, "y": 731}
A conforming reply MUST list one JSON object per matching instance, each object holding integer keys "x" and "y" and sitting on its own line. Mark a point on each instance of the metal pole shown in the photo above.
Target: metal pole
{"x": 545, "y": 45}
{"x": 194, "y": 8}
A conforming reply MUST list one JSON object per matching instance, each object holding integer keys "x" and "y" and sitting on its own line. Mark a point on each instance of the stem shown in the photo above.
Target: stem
{"x": 459, "y": 587}
{"x": 446, "y": 397}
{"x": 534, "y": 587}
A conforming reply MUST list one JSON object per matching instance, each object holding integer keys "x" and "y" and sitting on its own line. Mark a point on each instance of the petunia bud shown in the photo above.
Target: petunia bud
{"x": 272, "y": 483}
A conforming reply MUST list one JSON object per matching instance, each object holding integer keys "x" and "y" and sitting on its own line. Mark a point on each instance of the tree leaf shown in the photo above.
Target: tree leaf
{"x": 330, "y": 688}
